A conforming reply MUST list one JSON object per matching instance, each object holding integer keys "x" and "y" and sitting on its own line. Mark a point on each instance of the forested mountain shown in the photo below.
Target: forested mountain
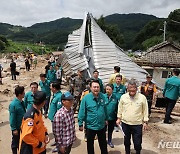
{"x": 152, "y": 32}
{"x": 129, "y": 25}
{"x": 126, "y": 30}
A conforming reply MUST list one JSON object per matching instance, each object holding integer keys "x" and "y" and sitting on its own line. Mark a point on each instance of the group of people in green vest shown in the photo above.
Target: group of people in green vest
{"x": 101, "y": 107}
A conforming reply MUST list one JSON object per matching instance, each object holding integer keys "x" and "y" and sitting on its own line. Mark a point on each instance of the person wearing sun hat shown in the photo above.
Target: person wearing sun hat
{"x": 64, "y": 125}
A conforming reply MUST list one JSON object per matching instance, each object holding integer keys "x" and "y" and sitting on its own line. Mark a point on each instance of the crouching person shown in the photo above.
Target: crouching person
{"x": 34, "y": 136}
{"x": 64, "y": 125}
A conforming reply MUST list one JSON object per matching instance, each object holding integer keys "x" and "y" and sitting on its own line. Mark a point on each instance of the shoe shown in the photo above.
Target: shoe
{"x": 167, "y": 122}
{"x": 45, "y": 116}
{"x": 110, "y": 144}
{"x": 170, "y": 118}
{"x": 54, "y": 150}
{"x": 95, "y": 138}
{"x": 53, "y": 144}
{"x": 85, "y": 138}
{"x": 116, "y": 129}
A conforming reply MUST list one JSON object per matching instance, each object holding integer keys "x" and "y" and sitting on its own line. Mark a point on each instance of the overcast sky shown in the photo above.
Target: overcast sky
{"x": 29, "y": 12}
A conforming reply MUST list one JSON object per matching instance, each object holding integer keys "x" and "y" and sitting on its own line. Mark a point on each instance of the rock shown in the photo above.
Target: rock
{"x": 22, "y": 68}
{"x": 6, "y": 91}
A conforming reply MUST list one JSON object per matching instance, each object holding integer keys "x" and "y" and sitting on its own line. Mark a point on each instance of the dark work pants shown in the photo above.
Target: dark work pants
{"x": 46, "y": 106}
{"x": 15, "y": 143}
{"x": 59, "y": 81}
{"x": 136, "y": 132}
{"x": 170, "y": 105}
{"x": 67, "y": 150}
{"x": 13, "y": 74}
{"x": 27, "y": 67}
{"x": 111, "y": 124}
{"x": 149, "y": 106}
{"x": 101, "y": 139}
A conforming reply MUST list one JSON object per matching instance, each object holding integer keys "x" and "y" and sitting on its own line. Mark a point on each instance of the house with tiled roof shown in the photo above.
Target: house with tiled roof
{"x": 160, "y": 59}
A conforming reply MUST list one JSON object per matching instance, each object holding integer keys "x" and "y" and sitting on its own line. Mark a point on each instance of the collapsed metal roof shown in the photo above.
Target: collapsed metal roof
{"x": 102, "y": 54}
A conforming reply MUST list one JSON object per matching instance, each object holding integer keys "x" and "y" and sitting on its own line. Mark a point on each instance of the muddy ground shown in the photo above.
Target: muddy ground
{"x": 157, "y": 130}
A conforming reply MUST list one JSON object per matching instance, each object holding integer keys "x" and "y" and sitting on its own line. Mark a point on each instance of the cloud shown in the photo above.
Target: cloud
{"x": 28, "y": 12}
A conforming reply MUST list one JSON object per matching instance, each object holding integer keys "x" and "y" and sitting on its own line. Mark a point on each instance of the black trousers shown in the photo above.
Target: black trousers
{"x": 149, "y": 106}
{"x": 136, "y": 132}
{"x": 59, "y": 81}
{"x": 170, "y": 105}
{"x": 101, "y": 139}
{"x": 46, "y": 106}
{"x": 13, "y": 74}
{"x": 15, "y": 142}
{"x": 111, "y": 124}
{"x": 67, "y": 150}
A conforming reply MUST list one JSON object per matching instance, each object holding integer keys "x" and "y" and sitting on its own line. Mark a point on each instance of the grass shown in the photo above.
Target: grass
{"x": 17, "y": 47}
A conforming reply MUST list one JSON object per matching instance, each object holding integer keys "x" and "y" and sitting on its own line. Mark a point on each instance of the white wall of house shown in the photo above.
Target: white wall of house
{"x": 158, "y": 77}
{"x": 159, "y": 74}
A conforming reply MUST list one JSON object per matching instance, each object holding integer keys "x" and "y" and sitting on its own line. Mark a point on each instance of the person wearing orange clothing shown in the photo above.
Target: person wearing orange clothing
{"x": 148, "y": 89}
{"x": 34, "y": 136}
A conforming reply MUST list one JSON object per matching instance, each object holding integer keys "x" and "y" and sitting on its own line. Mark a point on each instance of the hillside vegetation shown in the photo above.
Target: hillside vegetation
{"x": 129, "y": 31}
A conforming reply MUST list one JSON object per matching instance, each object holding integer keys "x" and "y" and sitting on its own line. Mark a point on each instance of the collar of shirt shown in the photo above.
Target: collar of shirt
{"x": 56, "y": 93}
{"x": 66, "y": 110}
{"x": 133, "y": 97}
{"x": 96, "y": 98}
{"x": 18, "y": 100}
{"x": 109, "y": 97}
{"x": 117, "y": 86}
{"x": 36, "y": 111}
{"x": 31, "y": 93}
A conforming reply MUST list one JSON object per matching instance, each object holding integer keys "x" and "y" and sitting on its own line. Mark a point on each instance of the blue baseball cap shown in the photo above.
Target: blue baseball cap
{"x": 67, "y": 96}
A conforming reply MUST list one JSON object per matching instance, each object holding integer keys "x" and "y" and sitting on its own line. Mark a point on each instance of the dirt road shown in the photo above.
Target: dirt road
{"x": 157, "y": 131}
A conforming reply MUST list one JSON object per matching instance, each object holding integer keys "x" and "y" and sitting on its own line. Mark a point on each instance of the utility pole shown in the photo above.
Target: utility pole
{"x": 164, "y": 38}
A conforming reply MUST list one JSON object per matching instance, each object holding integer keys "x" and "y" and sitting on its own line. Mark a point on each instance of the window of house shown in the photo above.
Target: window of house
{"x": 150, "y": 71}
{"x": 166, "y": 74}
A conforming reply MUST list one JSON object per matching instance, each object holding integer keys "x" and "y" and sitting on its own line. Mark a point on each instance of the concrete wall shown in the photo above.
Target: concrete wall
{"x": 157, "y": 75}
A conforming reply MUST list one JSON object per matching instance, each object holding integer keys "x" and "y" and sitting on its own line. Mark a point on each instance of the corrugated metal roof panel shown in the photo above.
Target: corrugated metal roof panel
{"x": 107, "y": 55}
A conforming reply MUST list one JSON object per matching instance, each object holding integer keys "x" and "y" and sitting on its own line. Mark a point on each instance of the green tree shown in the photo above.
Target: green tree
{"x": 112, "y": 31}
{"x": 151, "y": 42}
{"x": 2, "y": 45}
{"x": 3, "y": 42}
{"x": 173, "y": 22}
